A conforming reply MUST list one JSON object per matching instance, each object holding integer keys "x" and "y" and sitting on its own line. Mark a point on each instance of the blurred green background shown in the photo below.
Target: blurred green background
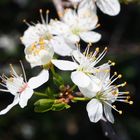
{"x": 120, "y": 33}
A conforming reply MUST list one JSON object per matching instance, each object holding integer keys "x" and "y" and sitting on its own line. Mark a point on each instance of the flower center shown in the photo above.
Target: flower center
{"x": 23, "y": 88}
{"x": 37, "y": 47}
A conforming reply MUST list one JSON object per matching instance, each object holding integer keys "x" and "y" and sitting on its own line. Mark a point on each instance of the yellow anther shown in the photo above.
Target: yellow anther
{"x": 128, "y": 97}
{"x": 24, "y": 20}
{"x": 106, "y": 48}
{"x": 127, "y": 92}
{"x": 115, "y": 73}
{"x": 47, "y": 11}
{"x": 119, "y": 76}
{"x": 114, "y": 106}
{"x": 113, "y": 63}
{"x": 97, "y": 49}
{"x": 120, "y": 112}
{"x": 130, "y": 102}
{"x": 40, "y": 10}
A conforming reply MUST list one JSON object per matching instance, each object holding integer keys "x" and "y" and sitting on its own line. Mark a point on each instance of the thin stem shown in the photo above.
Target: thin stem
{"x": 73, "y": 87}
{"x": 81, "y": 99}
{"x": 40, "y": 94}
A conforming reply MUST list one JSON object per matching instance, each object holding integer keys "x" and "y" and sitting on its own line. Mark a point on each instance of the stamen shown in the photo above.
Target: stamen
{"x": 41, "y": 15}
{"x": 101, "y": 55}
{"x": 47, "y": 16}
{"x": 122, "y": 85}
{"x": 23, "y": 70}
{"x": 28, "y": 24}
{"x": 114, "y": 107}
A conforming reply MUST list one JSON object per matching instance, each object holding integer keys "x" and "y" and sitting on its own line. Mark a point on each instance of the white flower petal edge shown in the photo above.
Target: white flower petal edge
{"x": 64, "y": 64}
{"x": 108, "y": 113}
{"x": 15, "y": 102}
{"x": 90, "y": 36}
{"x": 110, "y": 7}
{"x": 25, "y": 96}
{"x": 80, "y": 79}
{"x": 39, "y": 80}
{"x": 20, "y": 88}
{"x": 95, "y": 110}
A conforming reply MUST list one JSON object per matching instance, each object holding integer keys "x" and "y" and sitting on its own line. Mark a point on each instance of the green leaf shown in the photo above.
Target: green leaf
{"x": 43, "y": 105}
{"x": 60, "y": 106}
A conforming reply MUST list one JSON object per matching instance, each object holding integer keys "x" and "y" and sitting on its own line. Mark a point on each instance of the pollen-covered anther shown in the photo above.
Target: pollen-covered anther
{"x": 119, "y": 76}
{"x": 122, "y": 85}
{"x": 130, "y": 102}
{"x": 97, "y": 49}
{"x": 105, "y": 48}
{"x": 47, "y": 11}
{"x": 115, "y": 73}
{"x": 111, "y": 63}
{"x": 40, "y": 11}
{"x": 120, "y": 112}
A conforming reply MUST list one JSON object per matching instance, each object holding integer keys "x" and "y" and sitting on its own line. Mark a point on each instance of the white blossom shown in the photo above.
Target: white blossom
{"x": 84, "y": 66}
{"x": 103, "y": 94}
{"x": 18, "y": 86}
{"x": 42, "y": 31}
{"x": 76, "y": 25}
{"x": 110, "y": 7}
{"x": 39, "y": 53}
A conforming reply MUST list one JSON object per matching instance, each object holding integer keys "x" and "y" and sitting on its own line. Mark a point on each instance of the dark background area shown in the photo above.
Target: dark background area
{"x": 122, "y": 36}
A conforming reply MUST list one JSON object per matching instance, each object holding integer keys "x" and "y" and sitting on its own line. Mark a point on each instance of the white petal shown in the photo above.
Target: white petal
{"x": 39, "y": 80}
{"x": 78, "y": 56}
{"x": 110, "y": 7}
{"x": 13, "y": 84}
{"x": 86, "y": 8}
{"x": 80, "y": 79}
{"x": 45, "y": 57}
{"x": 58, "y": 27}
{"x": 95, "y": 110}
{"x": 104, "y": 72}
{"x": 90, "y": 36}
{"x": 108, "y": 114}
{"x": 70, "y": 17}
{"x": 61, "y": 47}
{"x": 15, "y": 102}
{"x": 72, "y": 37}
{"x": 65, "y": 65}
{"x": 92, "y": 89}
{"x": 25, "y": 96}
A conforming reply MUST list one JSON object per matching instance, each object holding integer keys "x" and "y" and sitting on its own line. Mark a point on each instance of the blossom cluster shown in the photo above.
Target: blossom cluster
{"x": 46, "y": 39}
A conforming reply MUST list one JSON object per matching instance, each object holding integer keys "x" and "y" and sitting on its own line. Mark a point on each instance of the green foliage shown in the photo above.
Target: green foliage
{"x": 44, "y": 105}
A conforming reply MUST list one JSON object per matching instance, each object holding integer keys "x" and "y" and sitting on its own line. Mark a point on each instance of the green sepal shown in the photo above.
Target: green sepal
{"x": 43, "y": 105}
{"x": 60, "y": 106}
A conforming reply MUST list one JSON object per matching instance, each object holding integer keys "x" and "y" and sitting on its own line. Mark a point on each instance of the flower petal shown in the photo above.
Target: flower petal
{"x": 90, "y": 36}
{"x": 71, "y": 37}
{"x": 108, "y": 113}
{"x": 61, "y": 47}
{"x": 15, "y": 102}
{"x": 70, "y": 17}
{"x": 25, "y": 96}
{"x": 104, "y": 73}
{"x": 57, "y": 27}
{"x": 92, "y": 89}
{"x": 86, "y": 8}
{"x": 110, "y": 7}
{"x": 78, "y": 56}
{"x": 95, "y": 110}
{"x": 65, "y": 65}
{"x": 80, "y": 79}
{"x": 39, "y": 80}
